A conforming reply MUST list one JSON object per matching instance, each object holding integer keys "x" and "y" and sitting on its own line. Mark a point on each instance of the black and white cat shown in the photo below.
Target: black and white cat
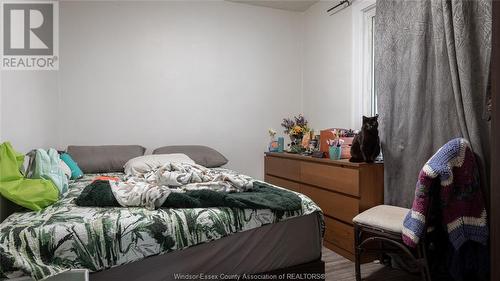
{"x": 366, "y": 145}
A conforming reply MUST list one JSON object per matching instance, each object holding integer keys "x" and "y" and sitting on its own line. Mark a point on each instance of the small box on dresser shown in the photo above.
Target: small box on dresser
{"x": 342, "y": 189}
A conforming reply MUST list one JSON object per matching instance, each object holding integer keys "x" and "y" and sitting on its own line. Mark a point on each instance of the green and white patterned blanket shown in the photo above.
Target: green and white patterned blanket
{"x": 64, "y": 236}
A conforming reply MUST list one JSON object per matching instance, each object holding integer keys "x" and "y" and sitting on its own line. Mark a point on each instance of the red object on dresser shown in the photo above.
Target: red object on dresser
{"x": 327, "y": 134}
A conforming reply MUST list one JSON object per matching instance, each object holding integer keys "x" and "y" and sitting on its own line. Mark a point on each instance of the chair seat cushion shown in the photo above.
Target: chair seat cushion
{"x": 384, "y": 217}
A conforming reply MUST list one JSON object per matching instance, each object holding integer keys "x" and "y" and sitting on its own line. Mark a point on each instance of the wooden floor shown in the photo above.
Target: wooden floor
{"x": 338, "y": 268}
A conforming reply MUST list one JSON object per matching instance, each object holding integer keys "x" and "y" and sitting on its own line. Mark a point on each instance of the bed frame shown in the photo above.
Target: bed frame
{"x": 314, "y": 270}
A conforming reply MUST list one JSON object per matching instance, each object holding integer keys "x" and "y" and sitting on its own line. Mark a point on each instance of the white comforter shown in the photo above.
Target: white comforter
{"x": 151, "y": 189}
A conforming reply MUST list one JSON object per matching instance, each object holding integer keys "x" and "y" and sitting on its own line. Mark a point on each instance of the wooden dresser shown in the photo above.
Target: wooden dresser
{"x": 342, "y": 189}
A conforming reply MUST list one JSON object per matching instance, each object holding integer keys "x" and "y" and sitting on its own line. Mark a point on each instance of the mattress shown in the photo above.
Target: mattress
{"x": 110, "y": 240}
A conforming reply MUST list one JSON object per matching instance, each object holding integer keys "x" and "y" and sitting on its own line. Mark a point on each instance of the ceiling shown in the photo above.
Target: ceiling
{"x": 290, "y": 5}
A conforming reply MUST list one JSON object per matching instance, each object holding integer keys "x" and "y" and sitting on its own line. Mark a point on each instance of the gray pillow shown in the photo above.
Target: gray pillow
{"x": 202, "y": 155}
{"x": 104, "y": 158}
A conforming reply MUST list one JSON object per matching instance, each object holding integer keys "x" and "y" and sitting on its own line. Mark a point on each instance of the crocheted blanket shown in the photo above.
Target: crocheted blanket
{"x": 463, "y": 209}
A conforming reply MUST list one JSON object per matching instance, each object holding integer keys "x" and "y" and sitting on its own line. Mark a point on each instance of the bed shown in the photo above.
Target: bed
{"x": 163, "y": 244}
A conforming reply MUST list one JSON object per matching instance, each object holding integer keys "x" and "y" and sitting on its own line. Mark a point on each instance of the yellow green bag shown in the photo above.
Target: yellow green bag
{"x": 34, "y": 194}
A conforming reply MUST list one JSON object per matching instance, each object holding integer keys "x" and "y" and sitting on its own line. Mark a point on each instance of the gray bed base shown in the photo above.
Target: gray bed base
{"x": 290, "y": 250}
{"x": 271, "y": 247}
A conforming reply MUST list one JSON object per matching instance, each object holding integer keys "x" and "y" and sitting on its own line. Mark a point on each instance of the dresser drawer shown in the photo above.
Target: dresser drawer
{"x": 282, "y": 183}
{"x": 339, "y": 234}
{"x": 336, "y": 205}
{"x": 281, "y": 167}
{"x": 336, "y": 178}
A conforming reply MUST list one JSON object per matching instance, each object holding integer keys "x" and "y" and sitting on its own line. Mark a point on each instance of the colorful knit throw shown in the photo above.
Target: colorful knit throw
{"x": 463, "y": 209}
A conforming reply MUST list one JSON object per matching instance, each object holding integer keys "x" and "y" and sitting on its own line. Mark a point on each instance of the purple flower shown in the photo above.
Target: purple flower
{"x": 289, "y": 123}
{"x": 300, "y": 120}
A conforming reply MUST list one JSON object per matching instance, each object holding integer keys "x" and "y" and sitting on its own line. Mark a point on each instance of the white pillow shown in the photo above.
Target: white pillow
{"x": 145, "y": 163}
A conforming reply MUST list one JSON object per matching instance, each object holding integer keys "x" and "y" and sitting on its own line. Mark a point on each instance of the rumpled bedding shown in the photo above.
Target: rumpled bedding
{"x": 151, "y": 189}
{"x": 262, "y": 196}
{"x": 65, "y": 236}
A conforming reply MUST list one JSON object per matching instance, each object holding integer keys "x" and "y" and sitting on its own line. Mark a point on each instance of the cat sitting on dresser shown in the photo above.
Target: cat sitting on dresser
{"x": 366, "y": 145}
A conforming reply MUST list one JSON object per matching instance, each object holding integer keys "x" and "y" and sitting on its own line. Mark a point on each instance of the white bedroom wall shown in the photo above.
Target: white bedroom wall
{"x": 28, "y": 109}
{"x": 165, "y": 73}
{"x": 327, "y": 59}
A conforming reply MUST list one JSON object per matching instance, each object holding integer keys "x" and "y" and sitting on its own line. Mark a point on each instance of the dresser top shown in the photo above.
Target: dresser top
{"x": 342, "y": 162}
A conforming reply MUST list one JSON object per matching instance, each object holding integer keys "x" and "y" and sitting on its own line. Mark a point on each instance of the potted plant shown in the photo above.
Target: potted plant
{"x": 295, "y": 128}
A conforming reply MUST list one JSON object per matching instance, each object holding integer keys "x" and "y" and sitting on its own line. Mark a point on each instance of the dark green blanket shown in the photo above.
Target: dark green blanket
{"x": 262, "y": 196}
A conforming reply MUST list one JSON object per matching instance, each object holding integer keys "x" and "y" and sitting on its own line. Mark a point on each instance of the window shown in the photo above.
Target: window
{"x": 364, "y": 95}
{"x": 369, "y": 93}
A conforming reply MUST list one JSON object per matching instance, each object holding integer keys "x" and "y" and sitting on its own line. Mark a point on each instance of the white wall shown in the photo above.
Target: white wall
{"x": 164, "y": 73}
{"x": 28, "y": 109}
{"x": 327, "y": 60}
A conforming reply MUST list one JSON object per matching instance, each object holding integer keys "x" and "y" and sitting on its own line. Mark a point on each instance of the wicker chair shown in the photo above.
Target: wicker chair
{"x": 383, "y": 224}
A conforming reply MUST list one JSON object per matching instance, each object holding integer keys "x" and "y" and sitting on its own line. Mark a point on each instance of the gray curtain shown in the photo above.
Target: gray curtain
{"x": 431, "y": 67}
